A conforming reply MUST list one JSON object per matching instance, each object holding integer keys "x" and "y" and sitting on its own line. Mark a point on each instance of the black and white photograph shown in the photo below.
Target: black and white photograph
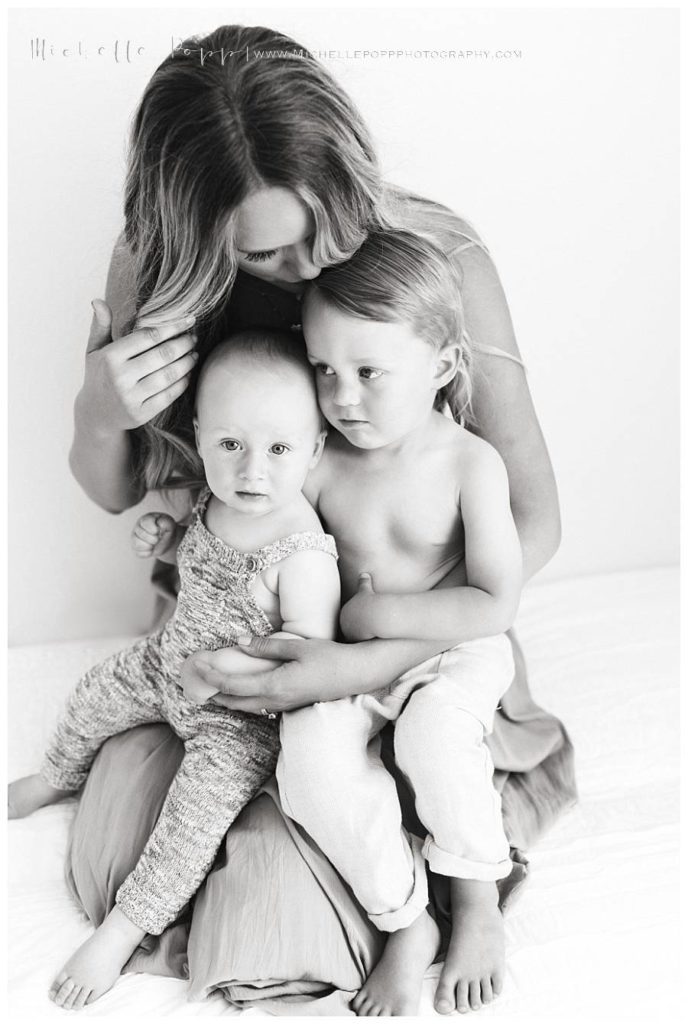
{"x": 343, "y": 512}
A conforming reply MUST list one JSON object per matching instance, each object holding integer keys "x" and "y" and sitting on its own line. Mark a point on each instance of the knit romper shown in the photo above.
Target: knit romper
{"x": 228, "y": 754}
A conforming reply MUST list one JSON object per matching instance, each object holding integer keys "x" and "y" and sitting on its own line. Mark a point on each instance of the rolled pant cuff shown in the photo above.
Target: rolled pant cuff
{"x": 395, "y": 920}
{"x": 443, "y": 863}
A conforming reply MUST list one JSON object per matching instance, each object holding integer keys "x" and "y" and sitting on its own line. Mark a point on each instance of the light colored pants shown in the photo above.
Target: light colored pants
{"x": 333, "y": 783}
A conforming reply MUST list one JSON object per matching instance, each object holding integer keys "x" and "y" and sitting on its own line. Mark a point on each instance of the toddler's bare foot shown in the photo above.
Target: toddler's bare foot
{"x": 394, "y": 986}
{"x": 24, "y": 796}
{"x": 97, "y": 964}
{"x": 473, "y": 971}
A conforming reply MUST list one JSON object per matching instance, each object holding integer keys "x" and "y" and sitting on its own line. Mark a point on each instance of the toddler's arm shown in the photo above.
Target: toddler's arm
{"x": 157, "y": 535}
{"x": 488, "y": 603}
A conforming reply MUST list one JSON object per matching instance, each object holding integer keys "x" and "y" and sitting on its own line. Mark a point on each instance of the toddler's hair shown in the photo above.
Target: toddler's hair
{"x": 401, "y": 277}
{"x": 179, "y": 448}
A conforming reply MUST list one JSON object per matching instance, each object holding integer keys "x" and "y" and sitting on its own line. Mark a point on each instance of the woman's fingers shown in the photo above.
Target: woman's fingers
{"x": 146, "y": 338}
{"x": 153, "y": 360}
{"x": 152, "y": 406}
{"x": 163, "y": 378}
{"x": 274, "y": 648}
{"x": 101, "y": 326}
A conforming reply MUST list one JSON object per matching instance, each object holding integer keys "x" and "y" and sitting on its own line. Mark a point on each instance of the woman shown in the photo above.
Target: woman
{"x": 246, "y": 176}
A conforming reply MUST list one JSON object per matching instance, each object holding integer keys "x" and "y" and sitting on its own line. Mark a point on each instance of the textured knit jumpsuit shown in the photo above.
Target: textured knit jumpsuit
{"x": 228, "y": 754}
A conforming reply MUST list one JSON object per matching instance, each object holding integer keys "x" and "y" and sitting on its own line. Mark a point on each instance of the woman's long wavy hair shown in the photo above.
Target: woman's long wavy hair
{"x": 401, "y": 277}
{"x": 224, "y": 115}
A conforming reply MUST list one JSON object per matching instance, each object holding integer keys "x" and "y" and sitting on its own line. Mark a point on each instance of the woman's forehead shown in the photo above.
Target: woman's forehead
{"x": 272, "y": 218}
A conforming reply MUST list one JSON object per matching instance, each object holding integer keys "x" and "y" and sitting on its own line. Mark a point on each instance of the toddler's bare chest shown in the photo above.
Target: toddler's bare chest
{"x": 407, "y": 532}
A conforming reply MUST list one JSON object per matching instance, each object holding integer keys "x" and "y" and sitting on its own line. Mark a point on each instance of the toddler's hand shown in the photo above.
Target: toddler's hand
{"x": 356, "y": 616}
{"x": 153, "y": 534}
{"x": 192, "y": 683}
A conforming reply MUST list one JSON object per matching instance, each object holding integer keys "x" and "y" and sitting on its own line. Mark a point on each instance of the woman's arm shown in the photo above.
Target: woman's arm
{"x": 505, "y": 415}
{"x": 127, "y": 380}
{"x": 311, "y": 671}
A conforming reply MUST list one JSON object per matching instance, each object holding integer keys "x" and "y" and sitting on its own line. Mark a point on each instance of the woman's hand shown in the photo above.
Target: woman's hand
{"x": 195, "y": 688}
{"x": 130, "y": 380}
{"x": 305, "y": 672}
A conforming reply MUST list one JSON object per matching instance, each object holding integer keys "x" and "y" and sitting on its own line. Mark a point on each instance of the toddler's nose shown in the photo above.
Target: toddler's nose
{"x": 346, "y": 395}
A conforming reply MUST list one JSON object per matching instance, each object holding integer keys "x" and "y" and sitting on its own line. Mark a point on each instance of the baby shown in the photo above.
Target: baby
{"x": 419, "y": 507}
{"x": 254, "y": 559}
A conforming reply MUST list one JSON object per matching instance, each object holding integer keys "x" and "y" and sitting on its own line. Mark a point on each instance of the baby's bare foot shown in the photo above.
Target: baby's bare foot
{"x": 473, "y": 971}
{"x": 24, "y": 796}
{"x": 394, "y": 986}
{"x": 97, "y": 964}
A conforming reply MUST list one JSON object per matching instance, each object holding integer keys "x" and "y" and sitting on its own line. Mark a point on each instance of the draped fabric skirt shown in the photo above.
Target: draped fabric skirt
{"x": 273, "y": 922}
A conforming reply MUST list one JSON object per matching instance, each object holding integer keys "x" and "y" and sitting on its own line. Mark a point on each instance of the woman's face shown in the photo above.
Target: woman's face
{"x": 274, "y": 238}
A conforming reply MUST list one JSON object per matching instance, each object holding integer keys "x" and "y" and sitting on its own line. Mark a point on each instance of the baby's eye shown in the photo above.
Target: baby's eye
{"x": 279, "y": 449}
{"x": 229, "y": 445}
{"x": 324, "y": 370}
{"x": 259, "y": 257}
{"x": 368, "y": 373}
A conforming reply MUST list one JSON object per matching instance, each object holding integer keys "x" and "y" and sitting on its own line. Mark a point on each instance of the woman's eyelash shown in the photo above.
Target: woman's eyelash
{"x": 259, "y": 257}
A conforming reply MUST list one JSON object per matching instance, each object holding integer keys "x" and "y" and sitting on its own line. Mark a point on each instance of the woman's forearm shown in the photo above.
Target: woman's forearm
{"x": 101, "y": 463}
{"x": 539, "y": 531}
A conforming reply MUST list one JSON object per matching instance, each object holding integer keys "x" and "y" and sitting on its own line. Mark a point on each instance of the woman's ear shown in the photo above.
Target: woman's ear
{"x": 447, "y": 364}
{"x": 318, "y": 450}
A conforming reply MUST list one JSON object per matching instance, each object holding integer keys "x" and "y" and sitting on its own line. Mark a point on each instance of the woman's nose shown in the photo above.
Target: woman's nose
{"x": 302, "y": 262}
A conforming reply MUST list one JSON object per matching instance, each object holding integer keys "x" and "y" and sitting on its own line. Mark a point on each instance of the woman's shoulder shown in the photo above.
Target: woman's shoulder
{"x": 451, "y": 232}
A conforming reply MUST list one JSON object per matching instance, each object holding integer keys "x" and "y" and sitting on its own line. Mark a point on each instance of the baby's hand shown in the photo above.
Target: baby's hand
{"x": 192, "y": 683}
{"x": 153, "y": 534}
{"x": 356, "y": 616}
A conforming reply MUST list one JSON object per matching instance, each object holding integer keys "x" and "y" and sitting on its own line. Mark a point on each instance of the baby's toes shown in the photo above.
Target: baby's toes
{"x": 474, "y": 995}
{"x": 64, "y": 990}
{"x": 486, "y": 989}
{"x": 81, "y": 999}
{"x": 72, "y": 998}
{"x": 462, "y": 997}
{"x": 497, "y": 983}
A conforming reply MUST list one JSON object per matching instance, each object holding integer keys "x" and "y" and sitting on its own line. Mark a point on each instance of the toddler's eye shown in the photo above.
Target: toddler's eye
{"x": 368, "y": 373}
{"x": 324, "y": 370}
{"x": 259, "y": 257}
{"x": 279, "y": 449}
{"x": 229, "y": 445}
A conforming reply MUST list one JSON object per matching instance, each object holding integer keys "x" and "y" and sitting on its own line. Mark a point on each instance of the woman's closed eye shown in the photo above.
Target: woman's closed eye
{"x": 259, "y": 257}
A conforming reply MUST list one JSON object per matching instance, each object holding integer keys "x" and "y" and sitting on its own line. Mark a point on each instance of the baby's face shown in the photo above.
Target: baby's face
{"x": 258, "y": 432}
{"x": 376, "y": 381}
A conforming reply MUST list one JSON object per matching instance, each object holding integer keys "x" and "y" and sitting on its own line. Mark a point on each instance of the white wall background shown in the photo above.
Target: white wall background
{"x": 564, "y": 158}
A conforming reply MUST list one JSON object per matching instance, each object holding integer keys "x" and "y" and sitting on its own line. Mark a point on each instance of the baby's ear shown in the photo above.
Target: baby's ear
{"x": 447, "y": 364}
{"x": 318, "y": 450}
{"x": 195, "y": 426}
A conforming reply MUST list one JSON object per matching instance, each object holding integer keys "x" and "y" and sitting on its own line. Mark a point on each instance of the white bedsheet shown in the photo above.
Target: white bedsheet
{"x": 595, "y": 935}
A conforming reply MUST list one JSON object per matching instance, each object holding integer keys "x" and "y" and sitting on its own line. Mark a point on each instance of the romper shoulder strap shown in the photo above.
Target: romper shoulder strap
{"x": 285, "y": 546}
{"x": 201, "y": 502}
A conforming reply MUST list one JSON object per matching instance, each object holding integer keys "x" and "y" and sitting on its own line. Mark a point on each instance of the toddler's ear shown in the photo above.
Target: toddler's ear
{"x": 195, "y": 425}
{"x": 447, "y": 364}
{"x": 318, "y": 450}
